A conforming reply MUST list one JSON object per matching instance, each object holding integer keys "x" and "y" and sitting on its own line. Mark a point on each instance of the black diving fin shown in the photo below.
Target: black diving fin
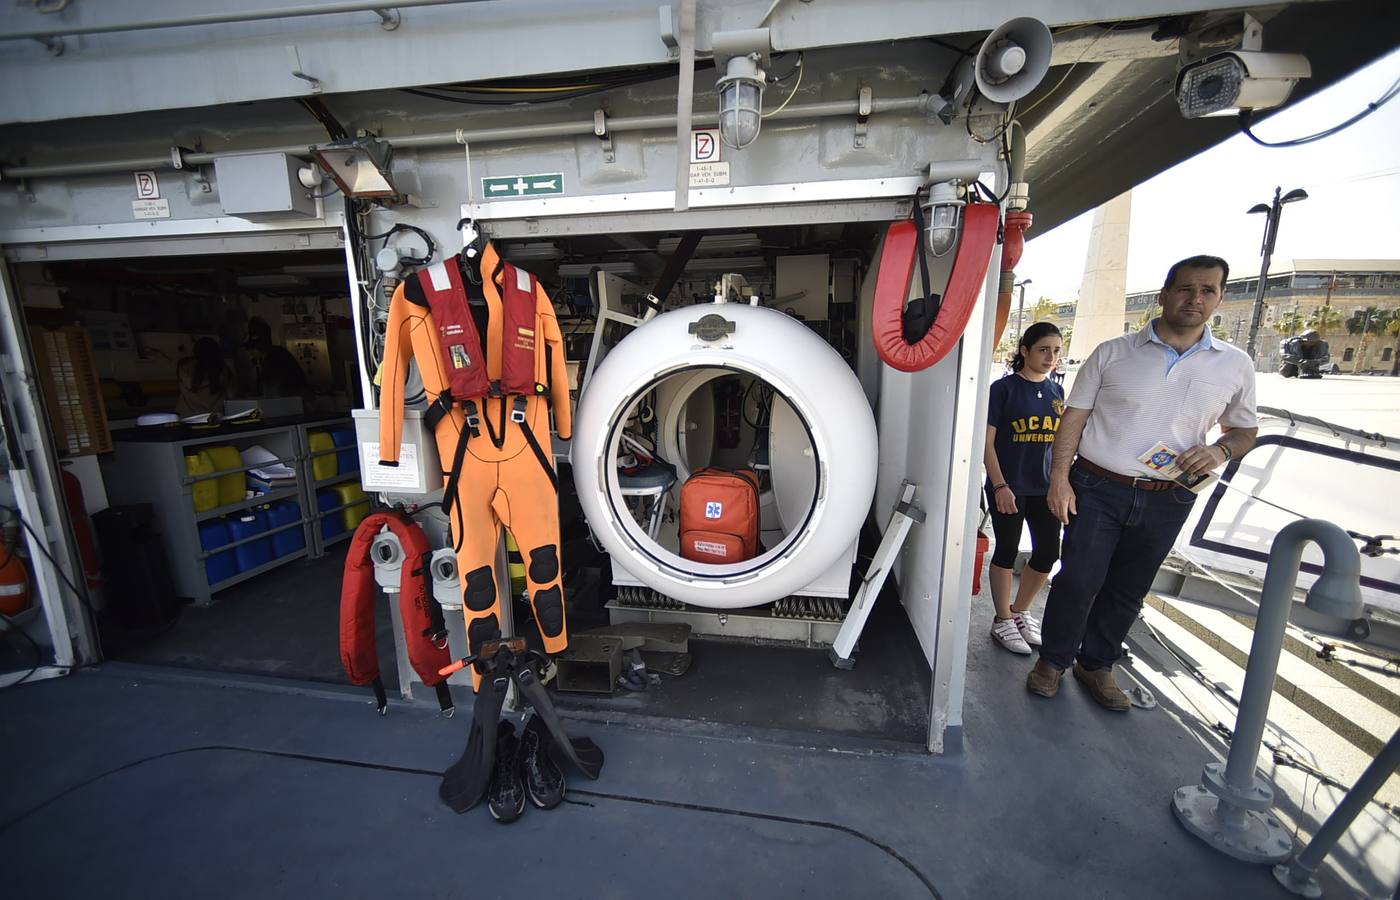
{"x": 585, "y": 755}
{"x": 465, "y": 781}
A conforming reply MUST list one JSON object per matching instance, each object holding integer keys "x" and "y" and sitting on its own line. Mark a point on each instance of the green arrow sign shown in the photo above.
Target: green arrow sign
{"x": 502, "y": 186}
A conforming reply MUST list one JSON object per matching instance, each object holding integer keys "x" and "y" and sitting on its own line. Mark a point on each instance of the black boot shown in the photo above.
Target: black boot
{"x": 544, "y": 782}
{"x": 506, "y": 793}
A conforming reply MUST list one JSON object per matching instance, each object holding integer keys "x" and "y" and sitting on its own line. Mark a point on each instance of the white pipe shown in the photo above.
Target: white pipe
{"x": 479, "y": 136}
{"x": 224, "y": 18}
{"x": 685, "y": 97}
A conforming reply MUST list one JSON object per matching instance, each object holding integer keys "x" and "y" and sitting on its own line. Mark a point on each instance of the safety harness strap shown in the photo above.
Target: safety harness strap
{"x": 437, "y": 626}
{"x": 518, "y": 416}
{"x": 920, "y": 314}
{"x": 471, "y": 429}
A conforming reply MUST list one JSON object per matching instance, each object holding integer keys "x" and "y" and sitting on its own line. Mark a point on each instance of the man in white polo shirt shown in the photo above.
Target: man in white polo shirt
{"x": 1169, "y": 383}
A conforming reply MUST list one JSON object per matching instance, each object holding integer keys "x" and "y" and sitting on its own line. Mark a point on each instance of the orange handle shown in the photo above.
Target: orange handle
{"x": 457, "y": 666}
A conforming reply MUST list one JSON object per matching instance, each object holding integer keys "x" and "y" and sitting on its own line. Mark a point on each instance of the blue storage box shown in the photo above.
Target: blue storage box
{"x": 220, "y": 566}
{"x": 291, "y": 540}
{"x": 332, "y": 525}
{"x": 347, "y": 460}
{"x": 254, "y": 553}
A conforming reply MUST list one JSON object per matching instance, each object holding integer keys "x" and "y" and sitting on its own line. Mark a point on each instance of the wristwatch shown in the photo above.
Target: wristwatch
{"x": 1228, "y": 454}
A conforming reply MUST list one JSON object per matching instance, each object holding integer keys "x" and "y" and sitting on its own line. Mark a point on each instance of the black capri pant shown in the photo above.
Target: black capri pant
{"x": 1045, "y": 533}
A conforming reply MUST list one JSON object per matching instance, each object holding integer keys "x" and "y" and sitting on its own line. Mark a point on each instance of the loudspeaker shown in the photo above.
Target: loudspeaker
{"x": 140, "y": 591}
{"x": 1013, "y": 59}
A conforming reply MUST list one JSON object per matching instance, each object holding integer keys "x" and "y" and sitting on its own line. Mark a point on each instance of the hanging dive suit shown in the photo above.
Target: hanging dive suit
{"x": 423, "y": 628}
{"x": 490, "y": 414}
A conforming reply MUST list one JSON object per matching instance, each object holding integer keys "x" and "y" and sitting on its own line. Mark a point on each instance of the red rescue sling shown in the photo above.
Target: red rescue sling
{"x": 914, "y": 338}
{"x": 423, "y": 627}
{"x": 463, "y": 351}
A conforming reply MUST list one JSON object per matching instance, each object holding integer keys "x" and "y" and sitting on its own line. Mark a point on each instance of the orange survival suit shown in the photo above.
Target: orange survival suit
{"x": 490, "y": 415}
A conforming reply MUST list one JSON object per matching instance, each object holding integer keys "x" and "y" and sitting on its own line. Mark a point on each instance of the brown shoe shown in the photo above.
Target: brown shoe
{"x": 1103, "y": 688}
{"x": 1044, "y": 679}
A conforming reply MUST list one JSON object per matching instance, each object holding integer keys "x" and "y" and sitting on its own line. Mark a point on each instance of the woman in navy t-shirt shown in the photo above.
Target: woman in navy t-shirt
{"x": 1023, "y": 416}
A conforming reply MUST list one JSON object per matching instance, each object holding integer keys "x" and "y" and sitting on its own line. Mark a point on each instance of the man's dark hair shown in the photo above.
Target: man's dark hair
{"x": 1199, "y": 262}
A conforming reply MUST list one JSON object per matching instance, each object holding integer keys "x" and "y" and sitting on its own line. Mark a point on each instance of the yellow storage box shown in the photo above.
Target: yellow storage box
{"x": 206, "y": 492}
{"x": 350, "y": 494}
{"x": 323, "y": 467}
{"x": 234, "y": 486}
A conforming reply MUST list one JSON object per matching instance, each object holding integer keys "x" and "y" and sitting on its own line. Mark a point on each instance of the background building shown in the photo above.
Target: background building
{"x": 1353, "y": 303}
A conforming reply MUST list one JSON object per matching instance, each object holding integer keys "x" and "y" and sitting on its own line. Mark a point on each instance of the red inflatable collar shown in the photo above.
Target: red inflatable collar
{"x": 965, "y": 285}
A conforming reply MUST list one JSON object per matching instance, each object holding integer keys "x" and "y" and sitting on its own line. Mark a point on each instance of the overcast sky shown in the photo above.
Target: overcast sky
{"x": 1352, "y": 179}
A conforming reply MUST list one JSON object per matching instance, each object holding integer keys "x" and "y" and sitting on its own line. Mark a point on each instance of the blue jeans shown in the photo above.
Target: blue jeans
{"x": 1112, "y": 550}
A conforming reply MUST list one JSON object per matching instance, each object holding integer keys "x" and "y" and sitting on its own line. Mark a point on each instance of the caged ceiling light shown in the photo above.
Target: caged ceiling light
{"x": 740, "y": 101}
{"x": 743, "y": 57}
{"x": 942, "y": 216}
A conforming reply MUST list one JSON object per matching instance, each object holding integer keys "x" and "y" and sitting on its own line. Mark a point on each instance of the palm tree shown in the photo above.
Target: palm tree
{"x": 1044, "y": 308}
{"x": 1325, "y": 319}
{"x": 1392, "y": 328}
{"x": 1148, "y": 315}
{"x": 1290, "y": 323}
{"x": 1371, "y": 320}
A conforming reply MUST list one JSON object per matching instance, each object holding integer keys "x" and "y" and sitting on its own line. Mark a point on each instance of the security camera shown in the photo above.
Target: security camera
{"x": 1226, "y": 83}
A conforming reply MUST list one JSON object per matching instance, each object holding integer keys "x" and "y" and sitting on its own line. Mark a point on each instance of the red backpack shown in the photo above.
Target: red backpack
{"x": 719, "y": 516}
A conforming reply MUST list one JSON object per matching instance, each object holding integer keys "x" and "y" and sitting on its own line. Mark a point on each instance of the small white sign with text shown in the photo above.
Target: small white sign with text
{"x": 403, "y": 477}
{"x": 709, "y": 174}
{"x": 150, "y": 209}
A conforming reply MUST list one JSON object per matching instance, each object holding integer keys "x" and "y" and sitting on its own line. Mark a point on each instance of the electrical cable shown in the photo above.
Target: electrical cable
{"x": 530, "y": 94}
{"x": 1007, "y": 121}
{"x": 14, "y": 628}
{"x": 330, "y": 193}
{"x": 1045, "y": 96}
{"x": 793, "y": 93}
{"x": 1246, "y": 119}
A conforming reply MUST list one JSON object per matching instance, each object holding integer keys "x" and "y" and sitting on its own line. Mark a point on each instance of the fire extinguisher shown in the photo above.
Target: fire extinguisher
{"x": 82, "y": 528}
{"x": 14, "y": 581}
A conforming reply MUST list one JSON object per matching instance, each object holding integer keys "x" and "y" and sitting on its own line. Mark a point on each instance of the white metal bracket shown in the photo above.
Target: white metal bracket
{"x": 901, "y": 520}
{"x": 863, "y": 109}
{"x": 389, "y": 19}
{"x": 294, "y": 59}
{"x": 198, "y": 173}
{"x": 600, "y": 128}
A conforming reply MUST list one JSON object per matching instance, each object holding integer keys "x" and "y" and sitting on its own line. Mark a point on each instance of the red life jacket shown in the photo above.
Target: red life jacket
{"x": 914, "y": 337}
{"x": 422, "y": 617}
{"x": 463, "y": 351}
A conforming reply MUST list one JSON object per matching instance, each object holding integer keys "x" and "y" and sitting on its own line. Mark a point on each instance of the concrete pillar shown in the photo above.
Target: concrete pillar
{"x": 1103, "y": 294}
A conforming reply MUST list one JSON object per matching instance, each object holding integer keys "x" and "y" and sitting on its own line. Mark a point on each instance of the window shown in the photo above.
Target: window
{"x": 1385, "y": 354}
{"x": 1348, "y": 354}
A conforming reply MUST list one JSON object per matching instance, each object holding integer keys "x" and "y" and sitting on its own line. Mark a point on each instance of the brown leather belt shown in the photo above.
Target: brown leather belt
{"x": 1142, "y": 484}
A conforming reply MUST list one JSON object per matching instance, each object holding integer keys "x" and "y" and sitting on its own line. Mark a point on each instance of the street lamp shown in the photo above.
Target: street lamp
{"x": 1021, "y": 307}
{"x": 1272, "y": 213}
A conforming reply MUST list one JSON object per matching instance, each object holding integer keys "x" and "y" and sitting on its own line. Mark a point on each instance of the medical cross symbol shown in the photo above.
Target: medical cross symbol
{"x": 714, "y": 509}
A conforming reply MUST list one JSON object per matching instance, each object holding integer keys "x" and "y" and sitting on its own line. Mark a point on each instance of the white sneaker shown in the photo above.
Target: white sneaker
{"x": 1005, "y": 632}
{"x": 1029, "y": 626}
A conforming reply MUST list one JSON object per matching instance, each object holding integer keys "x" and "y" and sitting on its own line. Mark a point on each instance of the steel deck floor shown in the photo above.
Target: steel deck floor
{"x": 154, "y": 782}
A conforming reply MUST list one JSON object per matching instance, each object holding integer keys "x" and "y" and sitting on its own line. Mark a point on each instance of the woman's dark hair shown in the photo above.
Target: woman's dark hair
{"x": 208, "y": 365}
{"x": 1033, "y": 335}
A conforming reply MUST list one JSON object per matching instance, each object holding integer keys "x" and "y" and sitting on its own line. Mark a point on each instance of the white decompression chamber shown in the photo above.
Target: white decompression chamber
{"x": 821, "y": 450}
